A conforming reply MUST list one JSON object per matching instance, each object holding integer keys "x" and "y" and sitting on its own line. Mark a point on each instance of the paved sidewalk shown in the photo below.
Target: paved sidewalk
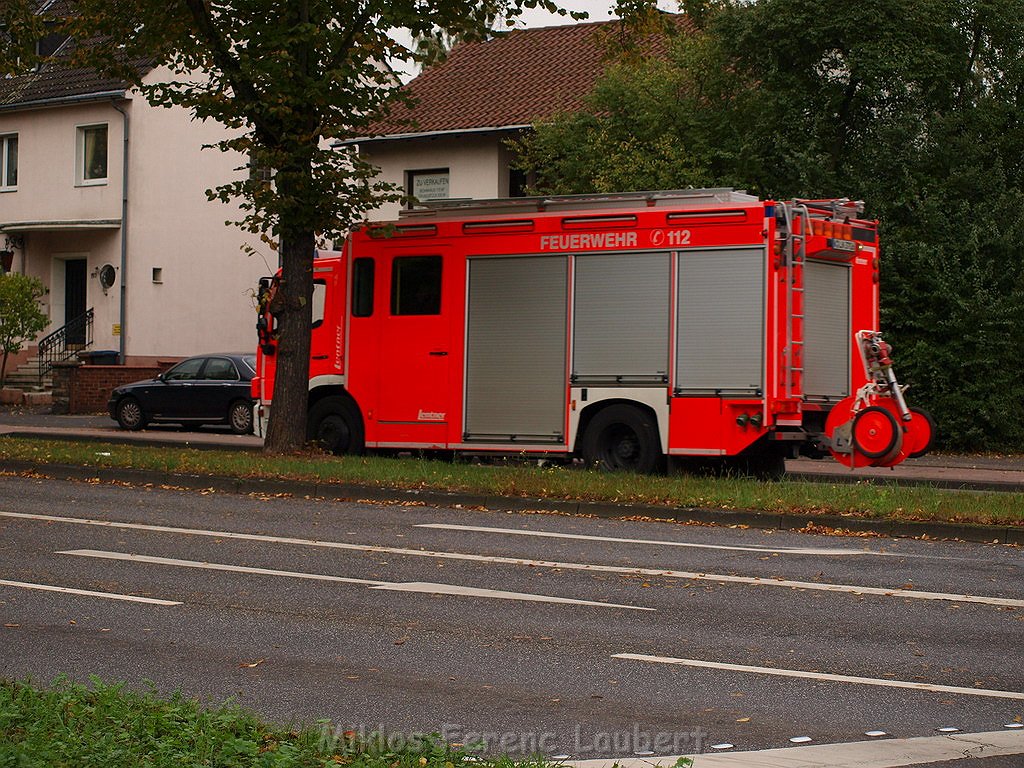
{"x": 25, "y": 422}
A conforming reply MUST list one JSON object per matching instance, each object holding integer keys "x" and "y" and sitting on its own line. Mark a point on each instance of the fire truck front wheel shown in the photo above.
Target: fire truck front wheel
{"x": 335, "y": 424}
{"x": 622, "y": 438}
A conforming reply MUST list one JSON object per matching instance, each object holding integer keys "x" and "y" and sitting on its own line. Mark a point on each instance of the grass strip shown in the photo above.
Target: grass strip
{"x": 553, "y": 482}
{"x": 69, "y": 724}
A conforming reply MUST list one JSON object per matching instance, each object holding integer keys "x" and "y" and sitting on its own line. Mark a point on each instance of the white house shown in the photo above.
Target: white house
{"x": 103, "y": 198}
{"x": 451, "y": 143}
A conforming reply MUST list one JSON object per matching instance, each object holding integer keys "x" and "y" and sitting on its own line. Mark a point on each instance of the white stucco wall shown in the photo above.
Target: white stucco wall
{"x": 47, "y": 185}
{"x": 477, "y": 166}
{"x": 203, "y": 303}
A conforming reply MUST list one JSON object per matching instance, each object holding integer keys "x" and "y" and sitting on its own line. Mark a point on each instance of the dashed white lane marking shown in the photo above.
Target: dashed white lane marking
{"x": 889, "y": 753}
{"x": 820, "y": 551}
{"x": 498, "y": 594}
{"x": 424, "y": 587}
{"x": 907, "y": 594}
{"x": 822, "y": 676}
{"x": 87, "y": 593}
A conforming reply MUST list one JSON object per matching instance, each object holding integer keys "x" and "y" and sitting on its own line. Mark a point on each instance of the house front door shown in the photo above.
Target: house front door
{"x": 74, "y": 300}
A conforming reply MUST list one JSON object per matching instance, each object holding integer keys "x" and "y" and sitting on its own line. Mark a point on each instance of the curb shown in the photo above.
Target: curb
{"x": 996, "y": 534}
{"x": 999, "y": 486}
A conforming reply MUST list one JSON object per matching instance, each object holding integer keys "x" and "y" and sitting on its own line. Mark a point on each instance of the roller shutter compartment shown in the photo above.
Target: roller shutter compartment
{"x": 720, "y": 333}
{"x": 827, "y": 334}
{"x": 621, "y": 311}
{"x": 516, "y": 349}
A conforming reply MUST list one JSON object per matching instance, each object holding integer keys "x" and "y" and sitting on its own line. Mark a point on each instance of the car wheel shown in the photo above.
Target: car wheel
{"x": 622, "y": 438}
{"x": 130, "y": 414}
{"x": 336, "y": 426}
{"x": 240, "y": 417}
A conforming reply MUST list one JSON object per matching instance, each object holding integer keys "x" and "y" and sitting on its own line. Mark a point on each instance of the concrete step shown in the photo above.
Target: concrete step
{"x": 16, "y": 380}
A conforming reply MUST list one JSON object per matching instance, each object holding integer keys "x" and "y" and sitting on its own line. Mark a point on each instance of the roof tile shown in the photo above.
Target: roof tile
{"x": 509, "y": 80}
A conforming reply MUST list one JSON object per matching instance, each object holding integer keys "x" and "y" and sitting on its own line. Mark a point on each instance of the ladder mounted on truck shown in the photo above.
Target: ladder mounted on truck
{"x": 468, "y": 207}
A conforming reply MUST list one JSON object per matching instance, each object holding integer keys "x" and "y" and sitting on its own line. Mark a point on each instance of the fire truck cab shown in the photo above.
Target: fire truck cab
{"x": 619, "y": 329}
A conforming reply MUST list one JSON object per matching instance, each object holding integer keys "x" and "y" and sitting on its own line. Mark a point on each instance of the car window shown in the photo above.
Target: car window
{"x": 186, "y": 371}
{"x": 220, "y": 369}
{"x": 250, "y": 362}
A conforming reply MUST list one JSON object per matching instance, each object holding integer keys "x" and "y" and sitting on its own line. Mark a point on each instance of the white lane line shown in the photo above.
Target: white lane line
{"x": 432, "y": 588}
{"x": 908, "y": 594}
{"x": 821, "y": 676}
{"x": 660, "y": 542}
{"x": 104, "y": 555}
{"x": 423, "y": 587}
{"x": 87, "y": 593}
{"x": 888, "y": 753}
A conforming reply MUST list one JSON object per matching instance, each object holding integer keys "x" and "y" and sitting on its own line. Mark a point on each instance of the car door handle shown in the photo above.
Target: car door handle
{"x": 438, "y": 353}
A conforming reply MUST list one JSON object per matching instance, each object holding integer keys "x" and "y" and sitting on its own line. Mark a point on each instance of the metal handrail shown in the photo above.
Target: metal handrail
{"x": 53, "y": 348}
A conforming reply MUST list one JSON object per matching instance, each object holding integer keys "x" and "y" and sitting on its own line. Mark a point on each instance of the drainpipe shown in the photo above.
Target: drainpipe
{"x": 124, "y": 234}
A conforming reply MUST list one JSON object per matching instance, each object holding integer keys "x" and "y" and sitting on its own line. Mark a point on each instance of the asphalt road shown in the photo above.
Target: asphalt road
{"x": 304, "y": 609}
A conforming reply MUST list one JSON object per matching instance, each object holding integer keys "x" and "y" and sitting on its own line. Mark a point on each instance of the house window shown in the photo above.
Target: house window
{"x": 50, "y": 43}
{"x": 258, "y": 171}
{"x": 9, "y": 162}
{"x": 428, "y": 185}
{"x": 519, "y": 182}
{"x": 92, "y": 154}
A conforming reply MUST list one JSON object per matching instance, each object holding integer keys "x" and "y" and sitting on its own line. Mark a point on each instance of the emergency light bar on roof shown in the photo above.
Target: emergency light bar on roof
{"x": 691, "y": 197}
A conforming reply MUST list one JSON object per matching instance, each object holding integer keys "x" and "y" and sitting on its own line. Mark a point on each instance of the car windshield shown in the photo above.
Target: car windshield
{"x": 250, "y": 362}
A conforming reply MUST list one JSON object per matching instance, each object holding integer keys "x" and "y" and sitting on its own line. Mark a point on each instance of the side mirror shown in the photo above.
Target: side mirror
{"x": 160, "y": 376}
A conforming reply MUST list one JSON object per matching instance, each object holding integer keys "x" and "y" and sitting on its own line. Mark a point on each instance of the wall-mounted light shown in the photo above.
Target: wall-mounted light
{"x": 107, "y": 277}
{"x": 14, "y": 243}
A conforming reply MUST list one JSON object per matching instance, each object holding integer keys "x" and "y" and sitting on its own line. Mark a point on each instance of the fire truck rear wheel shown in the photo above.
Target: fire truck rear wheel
{"x": 336, "y": 426}
{"x": 622, "y": 438}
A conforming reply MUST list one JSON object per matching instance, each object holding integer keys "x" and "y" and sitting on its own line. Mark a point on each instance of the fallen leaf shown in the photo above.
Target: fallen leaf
{"x": 743, "y": 720}
{"x": 251, "y": 665}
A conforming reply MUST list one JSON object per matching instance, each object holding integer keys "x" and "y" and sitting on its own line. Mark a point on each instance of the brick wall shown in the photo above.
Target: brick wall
{"x": 86, "y": 388}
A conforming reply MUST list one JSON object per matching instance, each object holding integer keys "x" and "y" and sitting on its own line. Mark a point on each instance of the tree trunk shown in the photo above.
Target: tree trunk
{"x": 292, "y": 306}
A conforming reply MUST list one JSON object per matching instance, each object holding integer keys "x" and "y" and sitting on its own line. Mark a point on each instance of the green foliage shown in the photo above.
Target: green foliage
{"x": 20, "y": 316}
{"x": 914, "y": 107}
{"x": 110, "y": 726}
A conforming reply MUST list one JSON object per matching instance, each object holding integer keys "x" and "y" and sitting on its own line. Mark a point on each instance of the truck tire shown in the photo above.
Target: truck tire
{"x": 622, "y": 438}
{"x": 336, "y": 425}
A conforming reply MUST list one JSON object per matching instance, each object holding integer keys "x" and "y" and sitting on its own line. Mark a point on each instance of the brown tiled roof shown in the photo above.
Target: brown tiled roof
{"x": 53, "y": 83}
{"x": 56, "y": 79}
{"x": 511, "y": 80}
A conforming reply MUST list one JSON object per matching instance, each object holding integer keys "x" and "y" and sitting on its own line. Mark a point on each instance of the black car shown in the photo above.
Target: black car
{"x": 206, "y": 389}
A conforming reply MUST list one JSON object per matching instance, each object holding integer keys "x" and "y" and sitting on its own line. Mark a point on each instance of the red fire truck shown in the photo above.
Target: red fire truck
{"x": 620, "y": 329}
